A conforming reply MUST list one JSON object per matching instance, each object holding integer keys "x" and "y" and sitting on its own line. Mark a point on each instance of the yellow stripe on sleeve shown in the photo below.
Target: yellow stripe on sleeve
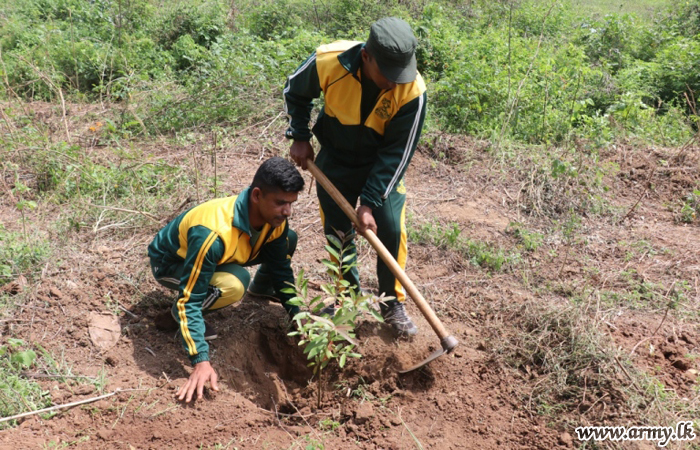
{"x": 196, "y": 270}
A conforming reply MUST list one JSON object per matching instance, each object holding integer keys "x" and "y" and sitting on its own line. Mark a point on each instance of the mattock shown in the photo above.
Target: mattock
{"x": 447, "y": 341}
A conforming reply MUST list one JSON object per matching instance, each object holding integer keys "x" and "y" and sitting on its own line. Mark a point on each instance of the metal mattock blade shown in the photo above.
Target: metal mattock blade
{"x": 434, "y": 355}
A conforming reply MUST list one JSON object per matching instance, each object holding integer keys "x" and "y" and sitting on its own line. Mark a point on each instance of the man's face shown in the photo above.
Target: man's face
{"x": 274, "y": 207}
{"x": 370, "y": 69}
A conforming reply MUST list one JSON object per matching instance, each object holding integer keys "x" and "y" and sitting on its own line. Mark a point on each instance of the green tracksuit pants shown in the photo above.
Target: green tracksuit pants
{"x": 390, "y": 219}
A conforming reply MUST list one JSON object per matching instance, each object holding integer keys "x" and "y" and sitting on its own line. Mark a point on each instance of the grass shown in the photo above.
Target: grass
{"x": 479, "y": 253}
{"x": 643, "y": 8}
{"x": 568, "y": 361}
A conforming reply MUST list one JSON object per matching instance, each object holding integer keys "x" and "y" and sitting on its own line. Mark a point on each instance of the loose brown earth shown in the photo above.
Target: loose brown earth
{"x": 470, "y": 399}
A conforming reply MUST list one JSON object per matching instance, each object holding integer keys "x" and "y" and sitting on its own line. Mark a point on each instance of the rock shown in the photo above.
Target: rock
{"x": 84, "y": 390}
{"x": 440, "y": 403}
{"x": 105, "y": 434}
{"x": 565, "y": 439}
{"x": 55, "y": 292}
{"x": 363, "y": 413}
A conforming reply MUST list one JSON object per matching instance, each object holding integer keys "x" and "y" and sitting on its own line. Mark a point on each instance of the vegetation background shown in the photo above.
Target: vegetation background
{"x": 547, "y": 89}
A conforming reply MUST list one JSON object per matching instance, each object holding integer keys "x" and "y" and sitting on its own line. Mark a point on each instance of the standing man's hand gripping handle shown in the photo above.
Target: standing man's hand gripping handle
{"x": 300, "y": 151}
{"x": 202, "y": 373}
{"x": 366, "y": 219}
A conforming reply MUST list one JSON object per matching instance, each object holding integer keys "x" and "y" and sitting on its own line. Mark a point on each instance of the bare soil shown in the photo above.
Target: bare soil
{"x": 469, "y": 399}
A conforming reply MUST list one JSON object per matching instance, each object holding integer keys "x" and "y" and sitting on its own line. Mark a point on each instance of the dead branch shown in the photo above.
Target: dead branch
{"x": 67, "y": 405}
{"x": 114, "y": 208}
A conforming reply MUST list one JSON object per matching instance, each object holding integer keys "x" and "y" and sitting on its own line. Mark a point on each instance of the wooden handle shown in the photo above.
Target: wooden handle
{"x": 383, "y": 253}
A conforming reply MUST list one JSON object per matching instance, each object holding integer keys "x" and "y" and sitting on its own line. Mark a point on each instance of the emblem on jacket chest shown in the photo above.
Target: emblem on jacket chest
{"x": 383, "y": 109}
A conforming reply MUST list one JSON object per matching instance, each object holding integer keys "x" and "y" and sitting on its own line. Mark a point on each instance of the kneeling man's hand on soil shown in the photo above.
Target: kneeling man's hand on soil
{"x": 203, "y": 372}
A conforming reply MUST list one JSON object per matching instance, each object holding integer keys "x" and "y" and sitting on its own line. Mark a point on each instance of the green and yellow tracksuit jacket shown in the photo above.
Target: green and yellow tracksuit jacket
{"x": 214, "y": 233}
{"x": 360, "y": 125}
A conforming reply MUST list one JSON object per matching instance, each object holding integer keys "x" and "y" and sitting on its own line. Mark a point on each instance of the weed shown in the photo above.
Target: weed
{"x": 479, "y": 253}
{"x": 328, "y": 425}
{"x": 20, "y": 256}
{"x": 528, "y": 239}
{"x": 17, "y": 393}
{"x": 690, "y": 207}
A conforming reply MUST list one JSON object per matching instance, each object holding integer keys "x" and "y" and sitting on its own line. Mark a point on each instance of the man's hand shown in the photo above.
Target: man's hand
{"x": 367, "y": 222}
{"x": 300, "y": 151}
{"x": 203, "y": 372}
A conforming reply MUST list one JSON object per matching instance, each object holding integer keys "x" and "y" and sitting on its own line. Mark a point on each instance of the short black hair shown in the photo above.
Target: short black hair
{"x": 278, "y": 174}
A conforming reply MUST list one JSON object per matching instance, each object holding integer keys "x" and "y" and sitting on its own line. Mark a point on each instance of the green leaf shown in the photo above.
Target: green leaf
{"x": 14, "y": 342}
{"x": 334, "y": 241}
{"x": 24, "y": 359}
{"x": 334, "y": 253}
{"x": 341, "y": 362}
{"x": 331, "y": 266}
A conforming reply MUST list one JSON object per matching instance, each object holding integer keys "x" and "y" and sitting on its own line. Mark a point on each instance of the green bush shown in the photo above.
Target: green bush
{"x": 677, "y": 71}
{"x": 203, "y": 20}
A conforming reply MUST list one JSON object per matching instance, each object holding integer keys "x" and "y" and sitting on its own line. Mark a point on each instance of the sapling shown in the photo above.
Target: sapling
{"x": 22, "y": 204}
{"x": 327, "y": 339}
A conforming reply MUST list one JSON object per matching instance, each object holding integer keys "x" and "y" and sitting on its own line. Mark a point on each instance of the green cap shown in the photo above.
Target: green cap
{"x": 392, "y": 43}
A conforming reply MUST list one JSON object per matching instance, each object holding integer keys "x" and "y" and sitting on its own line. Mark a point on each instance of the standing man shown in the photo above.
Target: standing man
{"x": 368, "y": 129}
{"x": 204, "y": 251}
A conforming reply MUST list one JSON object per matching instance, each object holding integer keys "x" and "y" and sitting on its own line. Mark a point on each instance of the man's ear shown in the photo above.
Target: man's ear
{"x": 366, "y": 57}
{"x": 255, "y": 195}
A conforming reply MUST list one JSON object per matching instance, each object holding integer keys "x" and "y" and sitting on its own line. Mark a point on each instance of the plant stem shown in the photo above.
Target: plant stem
{"x": 319, "y": 391}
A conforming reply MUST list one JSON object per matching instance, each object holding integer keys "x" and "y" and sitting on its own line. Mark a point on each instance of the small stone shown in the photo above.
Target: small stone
{"x": 692, "y": 372}
{"x": 55, "y": 292}
{"x": 440, "y": 403}
{"x": 565, "y": 439}
{"x": 363, "y": 413}
{"x": 84, "y": 390}
{"x": 105, "y": 434}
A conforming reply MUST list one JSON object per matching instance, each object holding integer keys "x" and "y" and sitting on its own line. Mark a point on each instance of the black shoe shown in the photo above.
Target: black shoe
{"x": 263, "y": 291}
{"x": 166, "y": 322}
{"x": 209, "y": 332}
{"x": 328, "y": 310}
{"x": 395, "y": 316}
